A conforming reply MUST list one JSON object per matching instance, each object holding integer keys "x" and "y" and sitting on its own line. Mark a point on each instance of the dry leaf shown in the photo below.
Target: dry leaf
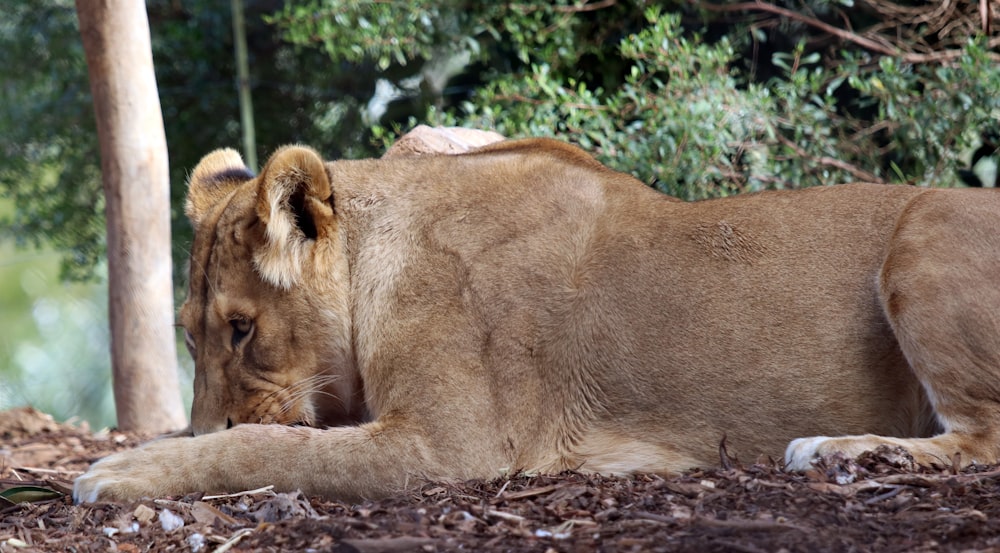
{"x": 207, "y": 514}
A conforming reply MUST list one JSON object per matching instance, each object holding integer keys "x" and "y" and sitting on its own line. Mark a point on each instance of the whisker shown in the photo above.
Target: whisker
{"x": 299, "y": 391}
{"x": 304, "y": 388}
{"x": 286, "y": 398}
{"x": 308, "y": 384}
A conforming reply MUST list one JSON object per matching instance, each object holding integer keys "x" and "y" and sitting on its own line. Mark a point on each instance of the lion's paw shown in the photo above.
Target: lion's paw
{"x": 802, "y": 451}
{"x": 153, "y": 470}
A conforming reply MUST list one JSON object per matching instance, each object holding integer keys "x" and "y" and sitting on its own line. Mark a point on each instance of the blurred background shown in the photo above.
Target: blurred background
{"x": 699, "y": 99}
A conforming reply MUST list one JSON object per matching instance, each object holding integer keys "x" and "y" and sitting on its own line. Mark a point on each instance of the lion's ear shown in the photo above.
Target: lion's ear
{"x": 214, "y": 178}
{"x": 294, "y": 203}
{"x": 293, "y": 198}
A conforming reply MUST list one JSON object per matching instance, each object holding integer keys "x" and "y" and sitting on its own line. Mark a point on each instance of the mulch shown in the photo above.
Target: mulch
{"x": 878, "y": 503}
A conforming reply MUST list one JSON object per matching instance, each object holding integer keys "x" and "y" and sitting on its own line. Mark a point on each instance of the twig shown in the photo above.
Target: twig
{"x": 503, "y": 488}
{"x": 928, "y": 480}
{"x": 655, "y": 517}
{"x": 502, "y": 515}
{"x": 231, "y": 542}
{"x": 812, "y": 22}
{"x": 579, "y": 8}
{"x": 533, "y": 101}
{"x": 865, "y": 42}
{"x": 724, "y": 460}
{"x": 825, "y": 160}
{"x": 737, "y": 546}
{"x": 900, "y": 481}
{"x": 868, "y": 131}
{"x": 747, "y": 525}
{"x": 240, "y": 494}
{"x": 170, "y": 503}
{"x": 893, "y": 492}
{"x": 532, "y": 492}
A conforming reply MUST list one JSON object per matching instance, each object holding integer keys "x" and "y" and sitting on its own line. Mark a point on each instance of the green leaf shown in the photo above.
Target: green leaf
{"x": 29, "y": 494}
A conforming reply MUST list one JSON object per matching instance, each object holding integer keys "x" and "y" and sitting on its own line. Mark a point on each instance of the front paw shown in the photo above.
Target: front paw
{"x": 156, "y": 469}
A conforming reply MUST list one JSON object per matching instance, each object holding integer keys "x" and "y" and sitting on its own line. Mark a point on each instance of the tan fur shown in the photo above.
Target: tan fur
{"x": 524, "y": 307}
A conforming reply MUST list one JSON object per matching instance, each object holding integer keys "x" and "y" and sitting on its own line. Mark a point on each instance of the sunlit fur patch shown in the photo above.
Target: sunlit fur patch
{"x": 280, "y": 260}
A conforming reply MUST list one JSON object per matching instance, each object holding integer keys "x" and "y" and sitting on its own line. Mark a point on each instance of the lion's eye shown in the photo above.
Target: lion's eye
{"x": 189, "y": 342}
{"x": 242, "y": 327}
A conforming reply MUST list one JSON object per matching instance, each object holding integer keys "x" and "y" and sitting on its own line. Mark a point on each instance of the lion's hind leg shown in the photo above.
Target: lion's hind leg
{"x": 939, "y": 289}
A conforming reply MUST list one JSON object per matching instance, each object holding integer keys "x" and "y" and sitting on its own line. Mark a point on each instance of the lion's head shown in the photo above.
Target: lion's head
{"x": 266, "y": 317}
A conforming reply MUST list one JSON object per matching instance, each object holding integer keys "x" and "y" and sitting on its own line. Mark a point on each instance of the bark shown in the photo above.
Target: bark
{"x": 136, "y": 182}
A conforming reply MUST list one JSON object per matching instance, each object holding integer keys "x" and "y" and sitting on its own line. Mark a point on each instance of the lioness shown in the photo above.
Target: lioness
{"x": 522, "y": 306}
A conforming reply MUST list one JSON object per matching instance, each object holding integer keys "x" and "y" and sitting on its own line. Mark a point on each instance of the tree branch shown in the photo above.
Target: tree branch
{"x": 584, "y": 7}
{"x": 864, "y": 42}
{"x": 829, "y": 161}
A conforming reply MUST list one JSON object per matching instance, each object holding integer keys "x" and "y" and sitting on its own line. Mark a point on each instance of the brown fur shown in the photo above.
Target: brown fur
{"x": 523, "y": 307}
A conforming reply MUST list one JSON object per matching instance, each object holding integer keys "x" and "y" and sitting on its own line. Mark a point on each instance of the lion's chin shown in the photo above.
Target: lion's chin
{"x": 292, "y": 417}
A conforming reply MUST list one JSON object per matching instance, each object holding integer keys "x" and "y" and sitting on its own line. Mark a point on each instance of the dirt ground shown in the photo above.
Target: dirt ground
{"x": 877, "y": 504}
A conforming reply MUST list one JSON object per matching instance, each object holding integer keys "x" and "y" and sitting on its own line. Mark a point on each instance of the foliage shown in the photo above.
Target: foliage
{"x": 704, "y": 99}
{"x": 676, "y": 115}
{"x": 49, "y": 155}
{"x": 665, "y": 92}
{"x": 47, "y": 149}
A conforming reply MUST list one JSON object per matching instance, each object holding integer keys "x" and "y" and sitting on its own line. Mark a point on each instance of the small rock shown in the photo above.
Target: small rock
{"x": 143, "y": 514}
{"x": 169, "y": 521}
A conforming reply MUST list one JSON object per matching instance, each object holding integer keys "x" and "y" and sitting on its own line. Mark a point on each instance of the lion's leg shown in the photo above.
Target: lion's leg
{"x": 939, "y": 290}
{"x": 348, "y": 463}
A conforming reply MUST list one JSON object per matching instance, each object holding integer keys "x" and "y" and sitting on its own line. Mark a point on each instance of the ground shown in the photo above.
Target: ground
{"x": 879, "y": 503}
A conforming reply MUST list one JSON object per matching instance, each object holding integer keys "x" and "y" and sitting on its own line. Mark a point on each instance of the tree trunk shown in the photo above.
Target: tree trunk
{"x": 136, "y": 181}
{"x": 243, "y": 83}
